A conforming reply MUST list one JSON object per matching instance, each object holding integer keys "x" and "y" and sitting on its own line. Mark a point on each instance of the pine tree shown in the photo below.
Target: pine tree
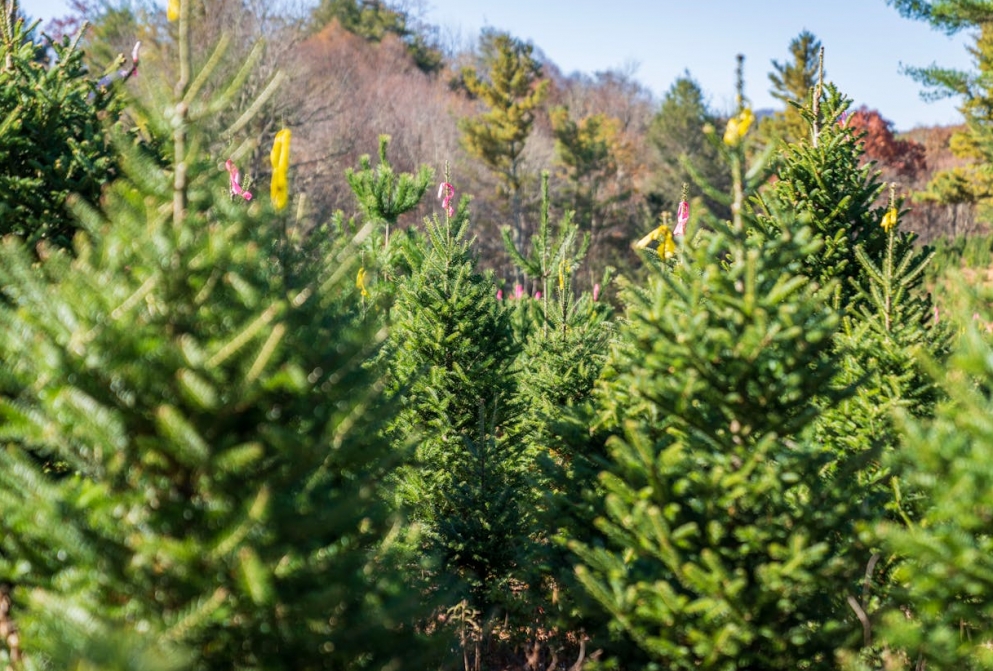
{"x": 792, "y": 82}
{"x": 194, "y": 447}
{"x": 52, "y": 139}
{"x": 684, "y": 150}
{"x": 512, "y": 91}
{"x": 586, "y": 149}
{"x": 973, "y": 182}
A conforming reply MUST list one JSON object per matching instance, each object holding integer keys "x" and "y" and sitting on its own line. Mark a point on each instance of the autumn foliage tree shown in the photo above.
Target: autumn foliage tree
{"x": 583, "y": 148}
{"x": 897, "y": 157}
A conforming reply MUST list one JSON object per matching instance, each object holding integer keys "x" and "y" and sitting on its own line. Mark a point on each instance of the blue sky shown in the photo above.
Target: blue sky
{"x": 866, "y": 43}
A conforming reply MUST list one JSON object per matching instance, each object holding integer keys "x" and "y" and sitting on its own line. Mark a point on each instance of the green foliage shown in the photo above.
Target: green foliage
{"x": 511, "y": 91}
{"x": 450, "y": 356}
{"x": 880, "y": 346}
{"x": 53, "y": 145}
{"x": 383, "y": 195}
{"x": 547, "y": 256}
{"x": 826, "y": 183}
{"x": 792, "y": 83}
{"x": 962, "y": 251}
{"x": 973, "y": 182}
{"x": 715, "y": 556}
{"x": 948, "y": 15}
{"x": 587, "y": 150}
{"x": 677, "y": 134}
{"x": 943, "y": 618}
{"x": 715, "y": 559}
{"x": 194, "y": 451}
{"x": 566, "y": 339}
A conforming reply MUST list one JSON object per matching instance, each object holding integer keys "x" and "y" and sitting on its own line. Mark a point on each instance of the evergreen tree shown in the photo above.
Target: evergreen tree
{"x": 585, "y": 149}
{"x": 566, "y": 338}
{"x": 512, "y": 91}
{"x": 194, "y": 452}
{"x": 717, "y": 553}
{"x": 684, "y": 150}
{"x": 451, "y": 355}
{"x": 383, "y": 195}
{"x": 941, "y": 617}
{"x": 973, "y": 182}
{"x": 792, "y": 82}
{"x": 886, "y": 326}
{"x": 825, "y": 181}
{"x": 565, "y": 346}
{"x": 52, "y": 139}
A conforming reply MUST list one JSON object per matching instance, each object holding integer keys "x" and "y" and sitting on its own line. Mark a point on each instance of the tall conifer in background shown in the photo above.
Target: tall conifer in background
{"x": 194, "y": 453}
{"x": 972, "y": 182}
{"x": 684, "y": 150}
{"x": 512, "y": 90}
{"x": 792, "y": 82}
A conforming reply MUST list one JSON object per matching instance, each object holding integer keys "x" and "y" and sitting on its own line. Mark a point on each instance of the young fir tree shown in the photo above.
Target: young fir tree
{"x": 194, "y": 452}
{"x": 564, "y": 340}
{"x": 52, "y": 139}
{"x": 451, "y": 357}
{"x": 717, "y": 554}
{"x": 382, "y": 194}
{"x": 886, "y": 326}
{"x": 822, "y": 178}
{"x": 941, "y": 617}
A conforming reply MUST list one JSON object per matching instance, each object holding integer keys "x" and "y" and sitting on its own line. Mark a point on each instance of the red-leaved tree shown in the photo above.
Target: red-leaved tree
{"x": 899, "y": 159}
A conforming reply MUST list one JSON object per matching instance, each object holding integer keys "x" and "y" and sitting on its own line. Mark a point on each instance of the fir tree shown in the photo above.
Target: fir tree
{"x": 716, "y": 553}
{"x": 940, "y": 618}
{"x": 451, "y": 355}
{"x": 383, "y": 195}
{"x": 877, "y": 275}
{"x": 566, "y": 338}
{"x": 52, "y": 139}
{"x": 194, "y": 447}
{"x": 824, "y": 180}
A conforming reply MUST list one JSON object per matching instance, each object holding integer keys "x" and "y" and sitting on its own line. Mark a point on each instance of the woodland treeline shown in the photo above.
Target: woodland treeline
{"x": 324, "y": 347}
{"x": 355, "y": 70}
